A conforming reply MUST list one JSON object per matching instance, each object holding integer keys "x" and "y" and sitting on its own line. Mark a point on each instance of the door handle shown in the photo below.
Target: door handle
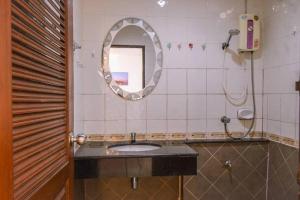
{"x": 79, "y": 139}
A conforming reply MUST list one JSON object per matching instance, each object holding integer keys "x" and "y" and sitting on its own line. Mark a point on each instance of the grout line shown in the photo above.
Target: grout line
{"x": 268, "y": 170}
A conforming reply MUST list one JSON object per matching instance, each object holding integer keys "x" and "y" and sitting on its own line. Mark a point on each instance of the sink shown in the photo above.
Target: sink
{"x": 135, "y": 147}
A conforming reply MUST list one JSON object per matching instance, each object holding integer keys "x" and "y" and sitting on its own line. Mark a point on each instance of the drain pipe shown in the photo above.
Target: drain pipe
{"x": 134, "y": 183}
{"x": 180, "y": 188}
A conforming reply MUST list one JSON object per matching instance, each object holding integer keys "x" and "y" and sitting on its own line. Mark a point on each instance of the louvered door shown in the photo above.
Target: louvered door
{"x": 39, "y": 98}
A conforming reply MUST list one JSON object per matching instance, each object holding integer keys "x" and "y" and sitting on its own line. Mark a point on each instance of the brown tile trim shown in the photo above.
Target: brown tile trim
{"x": 167, "y": 136}
{"x": 191, "y": 136}
{"x": 282, "y": 140}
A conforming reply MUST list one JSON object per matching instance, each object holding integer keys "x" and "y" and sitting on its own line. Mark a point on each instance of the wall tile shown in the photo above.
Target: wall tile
{"x": 115, "y": 107}
{"x": 196, "y": 107}
{"x": 274, "y": 127}
{"x": 196, "y": 80}
{"x": 214, "y": 125}
{"x": 215, "y": 55}
{"x": 196, "y": 126}
{"x": 93, "y": 107}
{"x": 288, "y": 130}
{"x": 177, "y": 107}
{"x": 214, "y": 81}
{"x": 274, "y": 104}
{"x": 288, "y": 108}
{"x": 215, "y": 106}
{"x": 115, "y": 126}
{"x": 138, "y": 126}
{"x": 157, "y": 107}
{"x": 177, "y": 126}
{"x": 177, "y": 81}
{"x": 161, "y": 87}
{"x": 94, "y": 127}
{"x": 136, "y": 109}
{"x": 156, "y": 126}
{"x": 92, "y": 83}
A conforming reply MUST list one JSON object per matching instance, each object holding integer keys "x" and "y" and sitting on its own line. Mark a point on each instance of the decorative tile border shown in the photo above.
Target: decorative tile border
{"x": 190, "y": 136}
{"x": 168, "y": 136}
{"x": 282, "y": 140}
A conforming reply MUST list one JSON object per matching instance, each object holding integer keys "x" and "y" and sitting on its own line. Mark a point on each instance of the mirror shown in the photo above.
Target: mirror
{"x": 132, "y": 59}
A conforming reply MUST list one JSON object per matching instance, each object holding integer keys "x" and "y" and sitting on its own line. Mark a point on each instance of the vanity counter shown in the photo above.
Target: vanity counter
{"x": 95, "y": 160}
{"x": 100, "y": 150}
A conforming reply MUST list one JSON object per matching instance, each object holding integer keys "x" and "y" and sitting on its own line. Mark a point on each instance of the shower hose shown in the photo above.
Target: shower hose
{"x": 226, "y": 121}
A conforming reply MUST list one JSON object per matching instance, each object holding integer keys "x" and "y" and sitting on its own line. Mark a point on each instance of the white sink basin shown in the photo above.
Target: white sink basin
{"x": 138, "y": 147}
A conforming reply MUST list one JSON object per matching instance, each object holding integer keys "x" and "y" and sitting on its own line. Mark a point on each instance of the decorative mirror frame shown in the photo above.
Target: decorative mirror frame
{"x": 150, "y": 86}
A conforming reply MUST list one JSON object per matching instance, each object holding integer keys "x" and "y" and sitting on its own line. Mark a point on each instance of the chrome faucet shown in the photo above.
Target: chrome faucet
{"x": 132, "y": 137}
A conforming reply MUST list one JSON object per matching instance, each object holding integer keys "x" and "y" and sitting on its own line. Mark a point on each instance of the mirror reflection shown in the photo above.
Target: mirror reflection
{"x": 132, "y": 59}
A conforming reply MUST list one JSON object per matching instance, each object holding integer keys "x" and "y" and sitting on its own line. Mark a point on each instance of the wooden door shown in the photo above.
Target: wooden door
{"x": 36, "y": 158}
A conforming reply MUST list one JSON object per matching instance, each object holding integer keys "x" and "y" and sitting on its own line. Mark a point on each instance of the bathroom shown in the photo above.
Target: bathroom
{"x": 209, "y": 117}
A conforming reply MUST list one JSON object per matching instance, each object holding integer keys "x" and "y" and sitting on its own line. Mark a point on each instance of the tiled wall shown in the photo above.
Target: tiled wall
{"x": 283, "y": 168}
{"x": 281, "y": 60}
{"x": 189, "y": 97}
{"x": 78, "y": 107}
{"x": 246, "y": 179}
{"x": 260, "y": 171}
{"x": 149, "y": 188}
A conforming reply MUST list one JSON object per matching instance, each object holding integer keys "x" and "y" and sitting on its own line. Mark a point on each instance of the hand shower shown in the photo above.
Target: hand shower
{"x": 232, "y": 32}
{"x": 225, "y": 120}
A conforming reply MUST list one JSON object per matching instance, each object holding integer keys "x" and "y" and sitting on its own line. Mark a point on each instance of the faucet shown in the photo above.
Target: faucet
{"x": 132, "y": 137}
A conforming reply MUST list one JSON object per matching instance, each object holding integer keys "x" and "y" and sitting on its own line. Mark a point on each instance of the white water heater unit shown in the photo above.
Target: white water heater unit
{"x": 249, "y": 32}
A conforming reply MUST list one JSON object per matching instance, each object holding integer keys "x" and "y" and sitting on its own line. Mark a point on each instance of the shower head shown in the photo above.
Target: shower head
{"x": 234, "y": 32}
{"x": 231, "y": 32}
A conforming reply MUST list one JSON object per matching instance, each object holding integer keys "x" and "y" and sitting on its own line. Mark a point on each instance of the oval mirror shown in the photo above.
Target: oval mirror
{"x": 132, "y": 59}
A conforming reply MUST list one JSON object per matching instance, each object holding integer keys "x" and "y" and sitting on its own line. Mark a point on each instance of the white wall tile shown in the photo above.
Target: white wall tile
{"x": 177, "y": 81}
{"x": 157, "y": 107}
{"x": 92, "y": 83}
{"x": 93, "y": 107}
{"x": 196, "y": 57}
{"x": 196, "y": 107}
{"x": 196, "y": 29}
{"x": 215, "y": 55}
{"x": 236, "y": 125}
{"x": 177, "y": 126}
{"x": 138, "y": 126}
{"x": 214, "y": 125}
{"x": 274, "y": 127}
{"x": 288, "y": 108}
{"x": 177, "y": 107}
{"x": 136, "y": 109}
{"x": 274, "y": 105}
{"x": 196, "y": 126}
{"x": 288, "y": 130}
{"x": 156, "y": 126}
{"x": 115, "y": 127}
{"x": 215, "y": 106}
{"x": 94, "y": 127}
{"x": 215, "y": 81}
{"x": 161, "y": 87}
{"x": 115, "y": 107}
{"x": 196, "y": 80}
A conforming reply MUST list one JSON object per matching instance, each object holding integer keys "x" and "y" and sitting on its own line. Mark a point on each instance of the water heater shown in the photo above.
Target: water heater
{"x": 249, "y": 32}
